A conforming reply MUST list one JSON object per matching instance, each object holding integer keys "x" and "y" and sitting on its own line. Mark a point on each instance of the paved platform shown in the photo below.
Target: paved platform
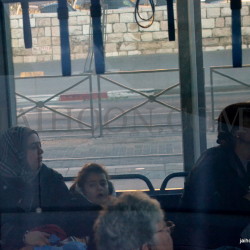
{"x": 153, "y": 155}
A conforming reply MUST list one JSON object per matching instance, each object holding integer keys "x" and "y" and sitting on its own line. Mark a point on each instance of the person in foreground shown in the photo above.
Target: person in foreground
{"x": 133, "y": 221}
{"x": 31, "y": 194}
{"x": 219, "y": 182}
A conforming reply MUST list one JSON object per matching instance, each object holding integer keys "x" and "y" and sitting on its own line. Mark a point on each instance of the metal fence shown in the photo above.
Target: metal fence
{"x": 149, "y": 97}
{"x": 39, "y": 103}
{"x": 97, "y": 119}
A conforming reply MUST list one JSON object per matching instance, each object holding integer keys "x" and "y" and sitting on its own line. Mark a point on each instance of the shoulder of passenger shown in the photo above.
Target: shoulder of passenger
{"x": 214, "y": 153}
{"x": 50, "y": 172}
{"x": 208, "y": 160}
{"x": 213, "y": 150}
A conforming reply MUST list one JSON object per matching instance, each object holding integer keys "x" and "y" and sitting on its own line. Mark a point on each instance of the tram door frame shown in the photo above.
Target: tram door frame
{"x": 192, "y": 83}
{"x": 7, "y": 85}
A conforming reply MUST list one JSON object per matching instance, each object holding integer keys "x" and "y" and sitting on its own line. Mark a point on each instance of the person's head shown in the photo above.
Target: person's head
{"x": 92, "y": 181}
{"x": 133, "y": 221}
{"x": 234, "y": 124}
{"x": 20, "y": 152}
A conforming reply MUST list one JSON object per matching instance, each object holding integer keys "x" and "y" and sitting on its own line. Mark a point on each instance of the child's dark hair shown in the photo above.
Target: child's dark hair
{"x": 86, "y": 170}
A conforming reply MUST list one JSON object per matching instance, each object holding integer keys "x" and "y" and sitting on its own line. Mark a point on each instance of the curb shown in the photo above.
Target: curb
{"x": 106, "y": 95}
{"x": 82, "y": 97}
{"x": 119, "y": 94}
{"x": 129, "y": 93}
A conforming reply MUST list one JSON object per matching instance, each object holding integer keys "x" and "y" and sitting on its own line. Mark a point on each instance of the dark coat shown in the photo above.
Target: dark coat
{"x": 218, "y": 181}
{"x": 215, "y": 188}
{"x": 21, "y": 204}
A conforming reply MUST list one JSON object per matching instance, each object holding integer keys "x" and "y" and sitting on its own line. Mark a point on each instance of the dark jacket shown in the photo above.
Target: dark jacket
{"x": 218, "y": 181}
{"x": 214, "y": 190}
{"x": 25, "y": 206}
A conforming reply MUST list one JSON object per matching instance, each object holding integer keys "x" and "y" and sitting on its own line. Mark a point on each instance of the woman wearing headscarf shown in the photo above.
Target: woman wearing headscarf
{"x": 31, "y": 194}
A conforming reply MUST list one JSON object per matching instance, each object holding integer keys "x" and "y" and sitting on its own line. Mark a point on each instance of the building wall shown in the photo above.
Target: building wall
{"x": 122, "y": 35}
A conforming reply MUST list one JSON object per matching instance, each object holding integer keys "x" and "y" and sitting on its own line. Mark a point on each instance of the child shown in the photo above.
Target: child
{"x": 92, "y": 184}
{"x": 90, "y": 192}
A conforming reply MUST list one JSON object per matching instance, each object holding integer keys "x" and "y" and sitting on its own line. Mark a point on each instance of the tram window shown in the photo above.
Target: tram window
{"x": 177, "y": 182}
{"x": 145, "y": 114}
{"x": 129, "y": 185}
{"x": 135, "y": 122}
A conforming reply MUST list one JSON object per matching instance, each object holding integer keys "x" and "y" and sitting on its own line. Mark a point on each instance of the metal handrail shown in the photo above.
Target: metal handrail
{"x": 171, "y": 176}
{"x": 123, "y": 177}
{"x": 134, "y": 176}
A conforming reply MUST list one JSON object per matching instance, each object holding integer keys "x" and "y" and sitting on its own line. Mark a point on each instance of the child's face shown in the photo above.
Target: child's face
{"x": 96, "y": 188}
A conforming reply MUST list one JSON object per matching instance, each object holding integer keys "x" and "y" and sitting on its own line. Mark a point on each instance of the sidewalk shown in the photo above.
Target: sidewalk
{"x": 138, "y": 81}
